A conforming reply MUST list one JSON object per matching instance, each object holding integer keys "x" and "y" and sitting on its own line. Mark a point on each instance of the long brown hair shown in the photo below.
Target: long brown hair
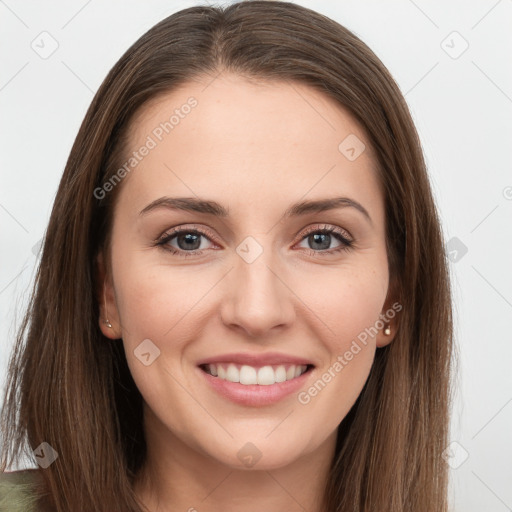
{"x": 71, "y": 387}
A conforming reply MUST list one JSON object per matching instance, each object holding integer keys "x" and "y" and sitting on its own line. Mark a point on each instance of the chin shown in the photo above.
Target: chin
{"x": 259, "y": 453}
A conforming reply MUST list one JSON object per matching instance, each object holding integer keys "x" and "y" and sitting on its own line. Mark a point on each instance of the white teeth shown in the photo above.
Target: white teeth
{"x": 233, "y": 375}
{"x": 264, "y": 376}
{"x": 222, "y": 372}
{"x": 248, "y": 375}
{"x": 280, "y": 374}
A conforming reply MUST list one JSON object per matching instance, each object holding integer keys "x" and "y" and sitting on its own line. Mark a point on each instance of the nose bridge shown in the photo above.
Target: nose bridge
{"x": 257, "y": 299}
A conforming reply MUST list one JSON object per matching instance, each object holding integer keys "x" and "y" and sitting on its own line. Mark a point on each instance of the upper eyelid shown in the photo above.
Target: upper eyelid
{"x": 171, "y": 233}
{"x": 328, "y": 227}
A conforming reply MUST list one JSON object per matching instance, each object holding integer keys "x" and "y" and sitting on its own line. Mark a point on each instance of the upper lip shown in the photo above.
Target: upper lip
{"x": 266, "y": 359}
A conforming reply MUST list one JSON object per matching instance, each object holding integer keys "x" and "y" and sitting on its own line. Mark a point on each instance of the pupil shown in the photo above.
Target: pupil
{"x": 317, "y": 238}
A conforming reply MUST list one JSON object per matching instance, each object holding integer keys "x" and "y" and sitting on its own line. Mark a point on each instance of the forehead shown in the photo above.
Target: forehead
{"x": 249, "y": 141}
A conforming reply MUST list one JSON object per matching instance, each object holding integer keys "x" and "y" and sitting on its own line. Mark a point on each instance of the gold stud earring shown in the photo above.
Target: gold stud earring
{"x": 387, "y": 330}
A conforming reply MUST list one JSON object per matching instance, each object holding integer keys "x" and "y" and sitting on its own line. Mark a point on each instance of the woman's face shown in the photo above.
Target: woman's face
{"x": 249, "y": 283}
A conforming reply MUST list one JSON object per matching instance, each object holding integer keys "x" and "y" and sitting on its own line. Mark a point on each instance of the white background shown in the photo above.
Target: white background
{"x": 462, "y": 107}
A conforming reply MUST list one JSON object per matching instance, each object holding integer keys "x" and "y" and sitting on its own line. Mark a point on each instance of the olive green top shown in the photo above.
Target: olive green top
{"x": 17, "y": 491}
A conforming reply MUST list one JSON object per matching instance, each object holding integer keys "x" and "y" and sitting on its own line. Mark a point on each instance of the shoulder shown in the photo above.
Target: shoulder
{"x": 17, "y": 491}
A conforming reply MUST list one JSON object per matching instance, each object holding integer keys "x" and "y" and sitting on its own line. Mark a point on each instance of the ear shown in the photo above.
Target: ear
{"x": 106, "y": 300}
{"x": 390, "y": 316}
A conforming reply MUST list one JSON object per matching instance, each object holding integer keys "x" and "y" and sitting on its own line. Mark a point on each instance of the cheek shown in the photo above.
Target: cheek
{"x": 349, "y": 304}
{"x": 333, "y": 392}
{"x": 153, "y": 298}
{"x": 157, "y": 304}
{"x": 348, "y": 301}
{"x": 164, "y": 305}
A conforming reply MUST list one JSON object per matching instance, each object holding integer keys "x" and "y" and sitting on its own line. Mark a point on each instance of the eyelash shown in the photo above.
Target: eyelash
{"x": 346, "y": 244}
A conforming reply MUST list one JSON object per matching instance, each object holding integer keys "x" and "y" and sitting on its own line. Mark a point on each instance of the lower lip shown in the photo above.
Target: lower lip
{"x": 255, "y": 394}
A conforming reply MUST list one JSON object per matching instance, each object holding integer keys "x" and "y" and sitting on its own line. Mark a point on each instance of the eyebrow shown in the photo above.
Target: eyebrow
{"x": 209, "y": 207}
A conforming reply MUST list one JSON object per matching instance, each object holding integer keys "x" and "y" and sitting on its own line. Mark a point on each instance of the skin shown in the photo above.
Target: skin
{"x": 256, "y": 149}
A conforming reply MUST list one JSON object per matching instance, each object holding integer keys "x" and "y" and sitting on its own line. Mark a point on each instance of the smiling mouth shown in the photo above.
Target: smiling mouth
{"x": 250, "y": 375}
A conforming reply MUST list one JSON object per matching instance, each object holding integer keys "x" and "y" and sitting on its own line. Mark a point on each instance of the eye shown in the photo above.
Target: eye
{"x": 319, "y": 239}
{"x": 184, "y": 242}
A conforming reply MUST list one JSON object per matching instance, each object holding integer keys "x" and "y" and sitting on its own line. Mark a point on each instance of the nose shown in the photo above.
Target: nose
{"x": 257, "y": 299}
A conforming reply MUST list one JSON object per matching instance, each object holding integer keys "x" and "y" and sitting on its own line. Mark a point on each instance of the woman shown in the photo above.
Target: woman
{"x": 243, "y": 298}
